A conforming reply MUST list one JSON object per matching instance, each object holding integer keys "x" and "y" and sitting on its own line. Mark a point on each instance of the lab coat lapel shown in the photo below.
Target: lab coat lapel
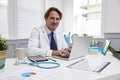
{"x": 45, "y": 35}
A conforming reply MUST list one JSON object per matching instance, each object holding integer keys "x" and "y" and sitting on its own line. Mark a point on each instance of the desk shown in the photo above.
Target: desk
{"x": 111, "y": 72}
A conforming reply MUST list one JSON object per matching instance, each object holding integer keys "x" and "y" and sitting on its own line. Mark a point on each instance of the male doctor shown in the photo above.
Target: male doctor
{"x": 48, "y": 40}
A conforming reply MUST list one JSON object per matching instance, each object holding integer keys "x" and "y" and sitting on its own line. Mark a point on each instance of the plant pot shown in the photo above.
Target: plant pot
{"x": 2, "y": 58}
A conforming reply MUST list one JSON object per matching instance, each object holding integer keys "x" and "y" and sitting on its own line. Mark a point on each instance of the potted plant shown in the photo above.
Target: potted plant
{"x": 85, "y": 35}
{"x": 3, "y": 51}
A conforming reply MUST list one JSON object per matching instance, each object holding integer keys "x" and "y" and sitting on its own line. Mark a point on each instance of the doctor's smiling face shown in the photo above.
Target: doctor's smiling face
{"x": 52, "y": 18}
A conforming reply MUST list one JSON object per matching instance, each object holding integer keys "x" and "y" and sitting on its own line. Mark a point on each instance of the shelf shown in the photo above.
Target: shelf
{"x": 90, "y": 6}
{"x": 87, "y": 13}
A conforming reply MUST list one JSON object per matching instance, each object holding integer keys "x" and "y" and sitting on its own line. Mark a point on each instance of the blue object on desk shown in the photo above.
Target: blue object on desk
{"x": 40, "y": 64}
{"x": 99, "y": 49}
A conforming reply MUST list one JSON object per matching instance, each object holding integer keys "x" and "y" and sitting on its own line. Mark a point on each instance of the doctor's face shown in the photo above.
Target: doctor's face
{"x": 53, "y": 20}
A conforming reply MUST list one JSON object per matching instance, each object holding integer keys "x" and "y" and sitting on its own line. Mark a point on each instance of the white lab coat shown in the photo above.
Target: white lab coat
{"x": 39, "y": 43}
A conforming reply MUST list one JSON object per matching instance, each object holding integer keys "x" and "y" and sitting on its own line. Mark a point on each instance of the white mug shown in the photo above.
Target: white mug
{"x": 20, "y": 53}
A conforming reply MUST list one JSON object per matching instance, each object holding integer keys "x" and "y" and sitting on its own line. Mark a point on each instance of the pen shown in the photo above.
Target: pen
{"x": 69, "y": 66}
{"x": 52, "y": 59}
{"x": 102, "y": 66}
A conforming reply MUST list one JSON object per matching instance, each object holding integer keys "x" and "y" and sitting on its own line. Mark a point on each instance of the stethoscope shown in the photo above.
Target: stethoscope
{"x": 42, "y": 64}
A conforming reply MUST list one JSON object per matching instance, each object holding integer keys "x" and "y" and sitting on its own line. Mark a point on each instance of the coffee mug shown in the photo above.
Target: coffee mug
{"x": 20, "y": 53}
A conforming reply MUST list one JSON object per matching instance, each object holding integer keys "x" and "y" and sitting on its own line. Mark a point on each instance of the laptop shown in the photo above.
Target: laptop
{"x": 79, "y": 48}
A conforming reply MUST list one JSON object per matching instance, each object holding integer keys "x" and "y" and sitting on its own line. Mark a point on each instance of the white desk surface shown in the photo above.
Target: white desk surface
{"x": 111, "y": 72}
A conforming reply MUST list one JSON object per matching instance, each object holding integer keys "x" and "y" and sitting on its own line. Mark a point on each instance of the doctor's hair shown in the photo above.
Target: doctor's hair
{"x": 47, "y": 13}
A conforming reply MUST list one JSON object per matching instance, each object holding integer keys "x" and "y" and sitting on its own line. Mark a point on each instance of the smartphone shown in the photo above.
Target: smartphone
{"x": 106, "y": 46}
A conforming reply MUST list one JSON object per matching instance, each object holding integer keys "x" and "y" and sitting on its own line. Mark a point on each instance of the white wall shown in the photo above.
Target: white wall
{"x": 66, "y": 6}
{"x": 57, "y": 4}
{"x": 111, "y": 16}
{"x": 53, "y": 3}
{"x": 68, "y": 15}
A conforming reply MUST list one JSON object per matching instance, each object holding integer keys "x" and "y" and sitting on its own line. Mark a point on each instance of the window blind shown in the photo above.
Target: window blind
{"x": 3, "y": 18}
{"x": 28, "y": 16}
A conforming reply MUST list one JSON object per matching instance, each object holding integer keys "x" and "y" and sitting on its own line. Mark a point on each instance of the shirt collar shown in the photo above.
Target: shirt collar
{"x": 48, "y": 31}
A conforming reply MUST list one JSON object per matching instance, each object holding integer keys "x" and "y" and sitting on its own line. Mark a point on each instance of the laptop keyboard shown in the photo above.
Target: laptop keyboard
{"x": 65, "y": 56}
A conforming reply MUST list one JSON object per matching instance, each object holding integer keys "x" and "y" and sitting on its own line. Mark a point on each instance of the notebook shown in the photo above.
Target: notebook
{"x": 79, "y": 48}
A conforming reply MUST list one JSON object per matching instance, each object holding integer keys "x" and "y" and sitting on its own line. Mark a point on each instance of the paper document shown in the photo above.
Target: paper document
{"x": 84, "y": 64}
{"x": 21, "y": 74}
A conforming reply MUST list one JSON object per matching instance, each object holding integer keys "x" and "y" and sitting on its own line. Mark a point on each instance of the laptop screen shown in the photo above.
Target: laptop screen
{"x": 79, "y": 48}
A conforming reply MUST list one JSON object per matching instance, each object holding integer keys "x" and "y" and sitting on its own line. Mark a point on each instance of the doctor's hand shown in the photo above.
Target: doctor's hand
{"x": 65, "y": 52}
{"x": 68, "y": 50}
{"x": 57, "y": 52}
